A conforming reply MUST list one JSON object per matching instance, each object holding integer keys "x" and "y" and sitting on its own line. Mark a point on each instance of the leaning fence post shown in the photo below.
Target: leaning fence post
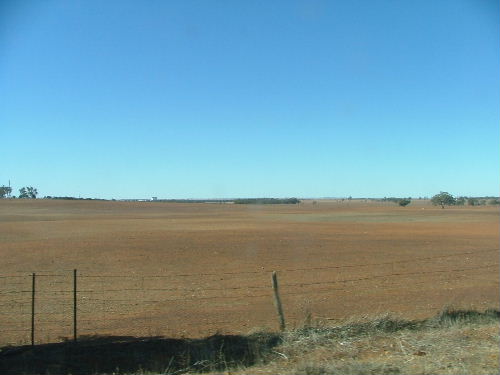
{"x": 33, "y": 277}
{"x": 277, "y": 301}
{"x": 74, "y": 305}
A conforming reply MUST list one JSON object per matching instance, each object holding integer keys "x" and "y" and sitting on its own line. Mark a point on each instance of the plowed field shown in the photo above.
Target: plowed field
{"x": 151, "y": 268}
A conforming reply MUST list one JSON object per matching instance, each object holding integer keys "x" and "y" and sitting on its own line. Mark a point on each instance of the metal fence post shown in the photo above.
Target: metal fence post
{"x": 33, "y": 278}
{"x": 74, "y": 305}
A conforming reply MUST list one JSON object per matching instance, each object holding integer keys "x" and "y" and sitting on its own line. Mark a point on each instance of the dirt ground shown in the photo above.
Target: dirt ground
{"x": 190, "y": 270}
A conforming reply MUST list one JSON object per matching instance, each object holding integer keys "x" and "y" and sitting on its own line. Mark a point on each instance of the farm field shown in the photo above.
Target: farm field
{"x": 190, "y": 270}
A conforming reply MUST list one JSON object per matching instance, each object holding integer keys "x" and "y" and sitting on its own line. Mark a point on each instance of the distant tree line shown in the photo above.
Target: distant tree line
{"x": 194, "y": 200}
{"x": 73, "y": 198}
{"x": 478, "y": 201}
{"x": 446, "y": 199}
{"x": 29, "y": 192}
{"x": 267, "y": 201}
{"x": 442, "y": 199}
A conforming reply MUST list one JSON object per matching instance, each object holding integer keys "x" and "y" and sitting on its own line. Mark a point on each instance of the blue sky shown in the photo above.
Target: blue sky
{"x": 209, "y": 99}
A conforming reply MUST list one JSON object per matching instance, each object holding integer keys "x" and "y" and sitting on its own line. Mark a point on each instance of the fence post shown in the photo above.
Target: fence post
{"x": 33, "y": 277}
{"x": 277, "y": 301}
{"x": 74, "y": 305}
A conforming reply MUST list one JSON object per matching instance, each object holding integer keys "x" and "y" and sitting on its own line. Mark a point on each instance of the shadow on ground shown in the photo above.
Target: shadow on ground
{"x": 160, "y": 355}
{"x": 125, "y": 355}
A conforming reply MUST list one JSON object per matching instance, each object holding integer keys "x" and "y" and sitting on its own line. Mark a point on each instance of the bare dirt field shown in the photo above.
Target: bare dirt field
{"x": 152, "y": 268}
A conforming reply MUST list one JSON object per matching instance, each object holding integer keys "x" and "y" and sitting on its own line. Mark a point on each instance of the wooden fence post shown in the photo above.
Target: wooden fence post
{"x": 33, "y": 277}
{"x": 74, "y": 305}
{"x": 277, "y": 301}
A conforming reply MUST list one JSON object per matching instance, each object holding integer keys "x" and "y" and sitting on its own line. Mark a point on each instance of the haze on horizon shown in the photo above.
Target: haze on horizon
{"x": 192, "y": 99}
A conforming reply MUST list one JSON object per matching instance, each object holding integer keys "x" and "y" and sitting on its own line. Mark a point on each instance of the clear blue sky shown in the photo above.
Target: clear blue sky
{"x": 200, "y": 99}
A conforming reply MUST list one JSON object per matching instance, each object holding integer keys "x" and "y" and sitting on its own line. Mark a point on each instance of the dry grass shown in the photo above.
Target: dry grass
{"x": 454, "y": 342}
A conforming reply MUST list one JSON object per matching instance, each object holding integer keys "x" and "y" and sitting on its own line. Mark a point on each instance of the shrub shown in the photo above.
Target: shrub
{"x": 404, "y": 202}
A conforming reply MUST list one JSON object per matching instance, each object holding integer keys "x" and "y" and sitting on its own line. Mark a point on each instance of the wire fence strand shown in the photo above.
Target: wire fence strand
{"x": 112, "y": 302}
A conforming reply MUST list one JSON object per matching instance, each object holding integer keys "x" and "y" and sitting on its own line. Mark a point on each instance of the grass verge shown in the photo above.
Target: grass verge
{"x": 453, "y": 342}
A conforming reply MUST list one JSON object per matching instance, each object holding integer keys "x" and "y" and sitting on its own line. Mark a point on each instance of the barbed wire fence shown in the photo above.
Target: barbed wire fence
{"x": 42, "y": 307}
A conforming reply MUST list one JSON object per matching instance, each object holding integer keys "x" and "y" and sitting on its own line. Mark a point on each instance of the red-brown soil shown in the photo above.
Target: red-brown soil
{"x": 150, "y": 268}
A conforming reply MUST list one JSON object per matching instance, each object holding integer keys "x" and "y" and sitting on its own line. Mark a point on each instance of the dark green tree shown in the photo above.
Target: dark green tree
{"x": 5, "y": 191}
{"x": 28, "y": 192}
{"x": 443, "y": 199}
